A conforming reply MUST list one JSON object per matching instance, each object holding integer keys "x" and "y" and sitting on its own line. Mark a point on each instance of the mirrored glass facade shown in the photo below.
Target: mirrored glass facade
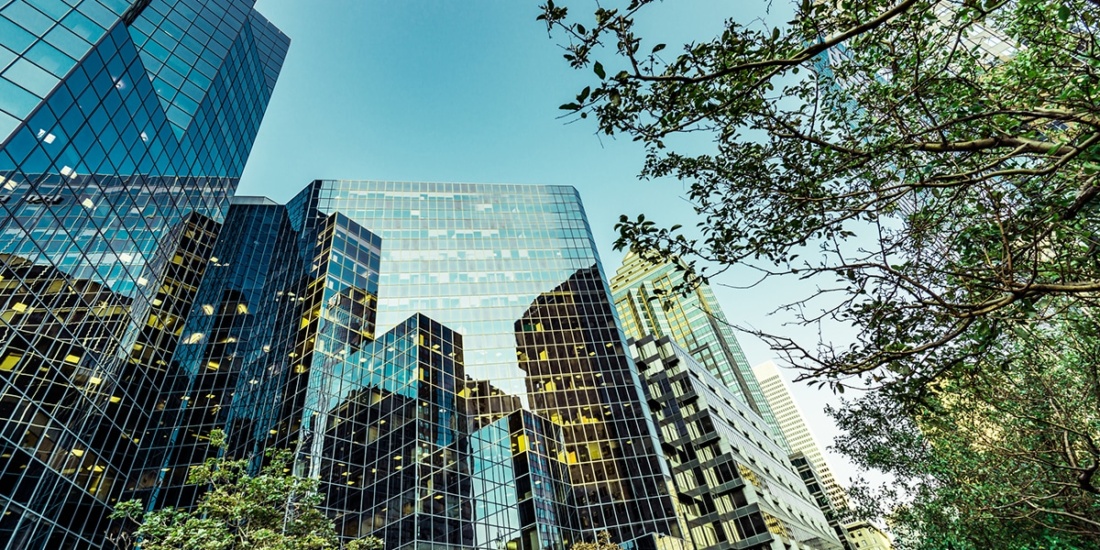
{"x": 445, "y": 358}
{"x": 737, "y": 487}
{"x": 109, "y": 203}
{"x": 649, "y": 303}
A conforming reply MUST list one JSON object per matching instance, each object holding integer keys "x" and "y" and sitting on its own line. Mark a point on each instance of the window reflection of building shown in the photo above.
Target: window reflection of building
{"x": 270, "y": 334}
{"x": 523, "y": 500}
{"x": 395, "y": 460}
{"x": 577, "y": 377}
{"x": 62, "y": 335}
{"x": 56, "y": 334}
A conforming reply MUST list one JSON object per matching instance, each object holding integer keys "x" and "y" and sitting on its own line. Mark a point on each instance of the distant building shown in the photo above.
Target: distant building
{"x": 735, "y": 485}
{"x": 863, "y": 535}
{"x": 801, "y": 440}
{"x": 649, "y": 303}
{"x": 817, "y": 491}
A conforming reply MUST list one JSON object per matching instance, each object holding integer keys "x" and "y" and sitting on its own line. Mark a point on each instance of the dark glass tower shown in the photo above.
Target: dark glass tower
{"x": 124, "y": 126}
{"x": 444, "y": 357}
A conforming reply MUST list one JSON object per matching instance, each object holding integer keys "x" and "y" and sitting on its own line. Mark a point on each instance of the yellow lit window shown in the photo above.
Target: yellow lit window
{"x": 10, "y": 361}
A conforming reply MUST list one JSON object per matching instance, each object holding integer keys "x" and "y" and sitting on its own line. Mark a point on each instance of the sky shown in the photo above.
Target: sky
{"x": 450, "y": 91}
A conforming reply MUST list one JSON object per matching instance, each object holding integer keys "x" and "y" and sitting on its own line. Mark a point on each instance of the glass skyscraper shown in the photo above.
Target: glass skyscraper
{"x": 649, "y": 302}
{"x": 444, "y": 357}
{"x": 124, "y": 127}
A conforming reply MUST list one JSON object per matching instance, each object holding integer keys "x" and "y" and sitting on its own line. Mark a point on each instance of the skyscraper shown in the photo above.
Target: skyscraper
{"x": 648, "y": 301}
{"x": 798, "y": 434}
{"x": 736, "y": 486}
{"x": 444, "y": 357}
{"x": 123, "y": 129}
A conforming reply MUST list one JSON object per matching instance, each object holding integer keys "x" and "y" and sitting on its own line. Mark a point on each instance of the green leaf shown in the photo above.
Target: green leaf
{"x": 598, "y": 69}
{"x": 658, "y": 48}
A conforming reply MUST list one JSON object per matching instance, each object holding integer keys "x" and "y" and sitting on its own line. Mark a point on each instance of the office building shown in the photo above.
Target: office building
{"x": 649, "y": 301}
{"x": 798, "y": 434}
{"x": 735, "y": 485}
{"x": 863, "y": 535}
{"x": 123, "y": 129}
{"x": 817, "y": 490}
{"x": 445, "y": 358}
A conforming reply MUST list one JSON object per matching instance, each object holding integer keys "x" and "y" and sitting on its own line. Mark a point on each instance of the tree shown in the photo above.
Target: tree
{"x": 272, "y": 510}
{"x": 1005, "y": 459}
{"x": 937, "y": 193}
{"x": 932, "y": 168}
{"x": 603, "y": 542}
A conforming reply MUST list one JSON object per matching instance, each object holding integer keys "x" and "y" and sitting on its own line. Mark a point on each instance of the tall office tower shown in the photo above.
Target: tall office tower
{"x": 123, "y": 129}
{"x": 648, "y": 303}
{"x": 736, "y": 486}
{"x": 864, "y": 535}
{"x": 798, "y": 434}
{"x": 445, "y": 358}
{"x": 817, "y": 491}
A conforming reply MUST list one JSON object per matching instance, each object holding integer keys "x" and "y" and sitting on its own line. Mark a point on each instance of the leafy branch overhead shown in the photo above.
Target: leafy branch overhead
{"x": 931, "y": 165}
{"x": 1008, "y": 459}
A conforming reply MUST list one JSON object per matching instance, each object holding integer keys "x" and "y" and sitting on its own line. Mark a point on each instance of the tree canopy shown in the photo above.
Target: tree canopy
{"x": 930, "y": 165}
{"x": 272, "y": 510}
{"x": 1005, "y": 459}
{"x": 931, "y": 168}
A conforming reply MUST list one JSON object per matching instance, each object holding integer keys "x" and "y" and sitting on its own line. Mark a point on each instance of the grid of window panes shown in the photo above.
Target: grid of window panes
{"x": 514, "y": 270}
{"x": 393, "y": 456}
{"x": 97, "y": 194}
{"x": 648, "y": 302}
{"x": 269, "y": 342}
{"x": 522, "y": 494}
{"x": 736, "y": 484}
{"x": 40, "y": 42}
{"x": 228, "y": 323}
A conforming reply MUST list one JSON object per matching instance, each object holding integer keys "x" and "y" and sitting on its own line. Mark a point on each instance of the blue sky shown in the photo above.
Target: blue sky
{"x": 437, "y": 90}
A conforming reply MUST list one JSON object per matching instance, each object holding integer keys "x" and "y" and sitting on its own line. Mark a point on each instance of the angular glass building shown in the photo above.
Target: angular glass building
{"x": 444, "y": 357}
{"x": 649, "y": 303}
{"x": 124, "y": 126}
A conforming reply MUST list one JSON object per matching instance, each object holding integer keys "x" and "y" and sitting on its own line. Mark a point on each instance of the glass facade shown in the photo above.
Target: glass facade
{"x": 514, "y": 270}
{"x": 109, "y": 203}
{"x": 444, "y": 357}
{"x": 737, "y": 488}
{"x": 648, "y": 302}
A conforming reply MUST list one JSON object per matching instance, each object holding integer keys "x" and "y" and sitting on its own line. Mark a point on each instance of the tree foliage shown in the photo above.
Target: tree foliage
{"x": 602, "y": 542}
{"x": 932, "y": 168}
{"x": 1006, "y": 458}
{"x": 938, "y": 189}
{"x": 272, "y": 510}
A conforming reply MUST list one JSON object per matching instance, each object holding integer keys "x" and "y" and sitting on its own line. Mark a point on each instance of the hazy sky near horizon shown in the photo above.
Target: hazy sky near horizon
{"x": 468, "y": 91}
